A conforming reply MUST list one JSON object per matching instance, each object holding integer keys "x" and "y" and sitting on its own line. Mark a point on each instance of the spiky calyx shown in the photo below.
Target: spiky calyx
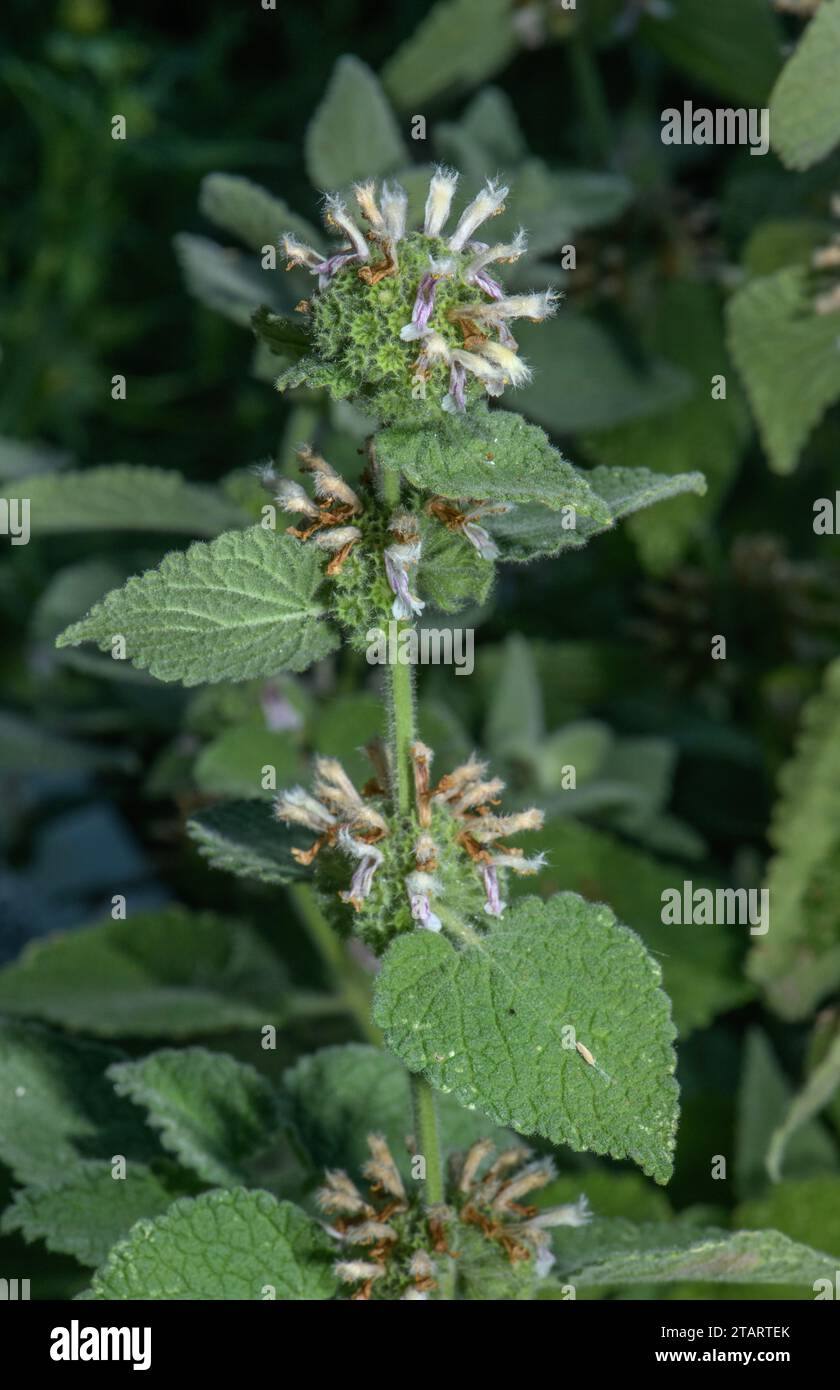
{"x": 392, "y": 1247}
{"x": 412, "y": 323}
{"x": 443, "y": 865}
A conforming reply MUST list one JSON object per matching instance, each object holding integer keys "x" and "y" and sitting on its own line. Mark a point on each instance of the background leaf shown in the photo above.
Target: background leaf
{"x": 161, "y": 974}
{"x": 127, "y": 497}
{"x": 212, "y": 1112}
{"x": 57, "y": 1107}
{"x": 353, "y": 134}
{"x": 86, "y": 1212}
{"x": 788, "y": 359}
{"x": 805, "y": 103}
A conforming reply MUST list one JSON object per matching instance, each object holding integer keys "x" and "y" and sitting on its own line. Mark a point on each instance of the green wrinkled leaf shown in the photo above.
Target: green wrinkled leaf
{"x": 618, "y": 1252}
{"x": 805, "y": 102}
{"x": 57, "y": 1108}
{"x": 789, "y": 360}
{"x": 86, "y": 1212}
{"x": 251, "y": 213}
{"x": 127, "y": 497}
{"x": 798, "y": 961}
{"x": 170, "y": 973}
{"x": 731, "y": 48}
{"x": 699, "y": 964}
{"x": 232, "y": 765}
{"x": 337, "y": 1096}
{"x": 246, "y": 838}
{"x": 531, "y": 532}
{"x": 459, "y": 43}
{"x": 485, "y": 1023}
{"x": 245, "y": 605}
{"x": 222, "y": 1245}
{"x": 451, "y": 572}
{"x": 213, "y": 1113}
{"x": 353, "y": 134}
{"x": 494, "y": 455}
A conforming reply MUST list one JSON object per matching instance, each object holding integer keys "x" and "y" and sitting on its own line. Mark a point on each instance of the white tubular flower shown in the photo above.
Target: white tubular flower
{"x": 536, "y": 307}
{"x": 573, "y": 1214}
{"x": 334, "y": 788}
{"x": 381, "y": 1169}
{"x": 328, "y": 485}
{"x": 336, "y": 215}
{"x": 366, "y": 198}
{"x": 529, "y": 1179}
{"x": 473, "y": 1159}
{"x": 485, "y": 829}
{"x": 298, "y": 253}
{"x": 293, "y": 498}
{"x": 504, "y": 252}
{"x": 341, "y": 1195}
{"x": 488, "y": 203}
{"x": 434, "y": 349}
{"x": 394, "y": 209}
{"x": 514, "y": 370}
{"x": 337, "y": 538}
{"x": 477, "y": 792}
{"x": 299, "y": 807}
{"x": 357, "y": 1271}
{"x": 519, "y": 864}
{"x": 373, "y": 1232}
{"x": 439, "y": 201}
{"x": 421, "y": 1265}
{"x": 481, "y": 367}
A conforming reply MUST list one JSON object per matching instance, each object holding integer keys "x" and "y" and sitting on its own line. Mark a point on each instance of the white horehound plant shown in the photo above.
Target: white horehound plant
{"x": 547, "y": 1017}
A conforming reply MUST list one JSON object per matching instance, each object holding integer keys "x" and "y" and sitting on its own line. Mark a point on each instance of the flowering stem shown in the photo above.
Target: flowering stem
{"x": 401, "y": 722}
{"x": 427, "y": 1137}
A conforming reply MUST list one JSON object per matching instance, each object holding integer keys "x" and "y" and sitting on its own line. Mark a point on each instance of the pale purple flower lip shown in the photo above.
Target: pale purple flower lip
{"x": 422, "y": 913}
{"x": 494, "y": 905}
{"x": 369, "y": 858}
{"x": 488, "y": 284}
{"x": 456, "y": 400}
{"x": 362, "y": 879}
{"x": 482, "y": 540}
{"x": 398, "y": 560}
{"x": 325, "y": 270}
{"x": 424, "y": 304}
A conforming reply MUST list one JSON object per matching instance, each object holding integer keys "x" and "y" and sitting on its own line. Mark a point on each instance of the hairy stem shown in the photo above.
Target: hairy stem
{"x": 427, "y": 1137}
{"x": 403, "y": 734}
